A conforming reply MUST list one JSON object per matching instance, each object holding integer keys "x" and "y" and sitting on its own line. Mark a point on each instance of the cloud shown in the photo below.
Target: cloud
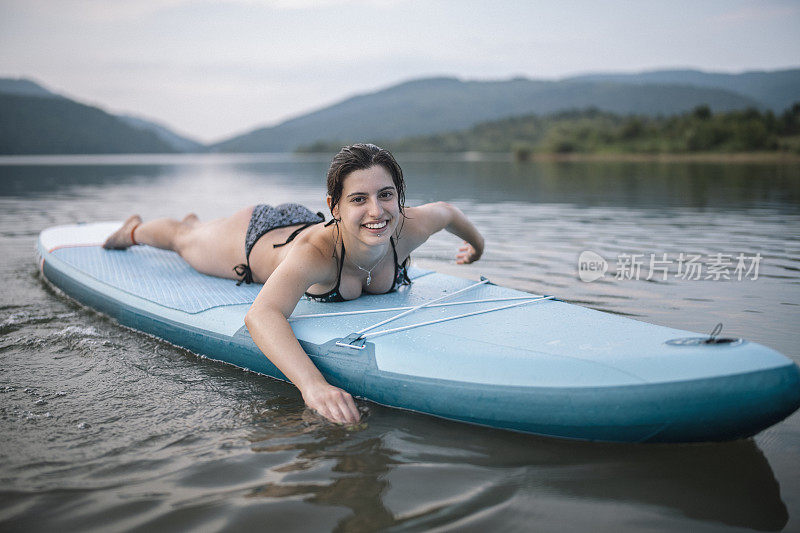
{"x": 89, "y": 10}
{"x": 316, "y": 4}
{"x": 127, "y": 10}
{"x": 760, "y": 13}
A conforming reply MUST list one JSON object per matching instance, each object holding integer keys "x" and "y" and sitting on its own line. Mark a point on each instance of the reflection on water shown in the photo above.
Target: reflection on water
{"x": 31, "y": 181}
{"x": 106, "y": 428}
{"x": 437, "y": 472}
{"x": 635, "y": 185}
{"x": 620, "y": 184}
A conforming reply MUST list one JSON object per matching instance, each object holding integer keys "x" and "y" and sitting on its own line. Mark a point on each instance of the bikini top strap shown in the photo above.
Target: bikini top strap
{"x": 294, "y": 234}
{"x": 394, "y": 253}
{"x": 406, "y": 280}
{"x": 339, "y": 274}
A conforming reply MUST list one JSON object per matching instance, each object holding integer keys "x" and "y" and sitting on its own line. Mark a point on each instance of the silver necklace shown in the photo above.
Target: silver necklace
{"x": 369, "y": 272}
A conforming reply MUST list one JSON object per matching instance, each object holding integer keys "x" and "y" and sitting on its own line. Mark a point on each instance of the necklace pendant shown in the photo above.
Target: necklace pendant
{"x": 369, "y": 277}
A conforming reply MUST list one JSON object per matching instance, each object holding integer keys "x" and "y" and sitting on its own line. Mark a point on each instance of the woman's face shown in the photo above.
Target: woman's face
{"x": 368, "y": 208}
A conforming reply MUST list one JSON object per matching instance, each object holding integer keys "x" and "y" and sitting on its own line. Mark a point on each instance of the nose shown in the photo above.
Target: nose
{"x": 375, "y": 208}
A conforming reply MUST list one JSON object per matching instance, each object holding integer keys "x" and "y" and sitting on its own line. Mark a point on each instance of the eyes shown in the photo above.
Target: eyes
{"x": 383, "y": 195}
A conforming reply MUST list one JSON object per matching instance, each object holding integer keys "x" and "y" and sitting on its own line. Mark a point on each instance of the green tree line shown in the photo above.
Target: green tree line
{"x": 594, "y": 131}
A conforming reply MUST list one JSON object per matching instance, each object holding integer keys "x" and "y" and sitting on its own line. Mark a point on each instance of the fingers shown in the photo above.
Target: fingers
{"x": 344, "y": 409}
{"x": 465, "y": 255}
{"x": 334, "y": 404}
{"x": 350, "y": 410}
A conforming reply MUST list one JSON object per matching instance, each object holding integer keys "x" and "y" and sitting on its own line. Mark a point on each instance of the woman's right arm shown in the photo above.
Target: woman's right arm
{"x": 267, "y": 323}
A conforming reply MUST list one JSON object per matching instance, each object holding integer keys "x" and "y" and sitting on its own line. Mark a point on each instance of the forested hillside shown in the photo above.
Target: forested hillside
{"x": 595, "y": 131}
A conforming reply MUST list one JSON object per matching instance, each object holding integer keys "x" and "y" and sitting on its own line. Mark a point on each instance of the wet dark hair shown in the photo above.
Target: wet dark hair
{"x": 362, "y": 156}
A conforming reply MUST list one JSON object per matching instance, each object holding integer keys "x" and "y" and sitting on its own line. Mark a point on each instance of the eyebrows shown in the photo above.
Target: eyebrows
{"x": 387, "y": 188}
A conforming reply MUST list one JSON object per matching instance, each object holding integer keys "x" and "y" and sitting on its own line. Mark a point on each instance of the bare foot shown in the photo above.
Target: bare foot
{"x": 122, "y": 238}
{"x": 190, "y": 220}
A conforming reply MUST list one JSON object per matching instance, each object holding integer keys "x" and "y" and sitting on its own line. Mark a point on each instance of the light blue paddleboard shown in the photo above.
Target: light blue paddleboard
{"x": 542, "y": 366}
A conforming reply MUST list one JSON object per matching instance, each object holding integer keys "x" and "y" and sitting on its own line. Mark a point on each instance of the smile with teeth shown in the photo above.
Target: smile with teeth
{"x": 376, "y": 225}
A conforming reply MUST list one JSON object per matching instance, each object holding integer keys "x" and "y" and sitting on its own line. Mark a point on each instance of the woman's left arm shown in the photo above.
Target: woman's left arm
{"x": 431, "y": 218}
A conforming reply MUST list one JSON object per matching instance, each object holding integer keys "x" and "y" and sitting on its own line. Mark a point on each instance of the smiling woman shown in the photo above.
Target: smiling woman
{"x": 293, "y": 253}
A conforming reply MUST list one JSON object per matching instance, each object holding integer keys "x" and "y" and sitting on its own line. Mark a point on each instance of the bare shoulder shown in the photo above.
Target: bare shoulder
{"x": 304, "y": 265}
{"x": 423, "y": 221}
{"x": 313, "y": 254}
{"x": 419, "y": 224}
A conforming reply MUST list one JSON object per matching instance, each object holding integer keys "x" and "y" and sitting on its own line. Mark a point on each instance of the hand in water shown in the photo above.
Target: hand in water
{"x": 467, "y": 254}
{"x": 333, "y": 403}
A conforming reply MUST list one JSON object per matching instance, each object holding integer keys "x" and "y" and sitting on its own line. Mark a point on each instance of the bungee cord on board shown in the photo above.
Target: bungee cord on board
{"x": 387, "y": 309}
{"x": 361, "y": 335}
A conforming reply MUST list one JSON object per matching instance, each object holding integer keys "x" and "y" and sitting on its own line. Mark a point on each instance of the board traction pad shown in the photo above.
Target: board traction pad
{"x": 160, "y": 276}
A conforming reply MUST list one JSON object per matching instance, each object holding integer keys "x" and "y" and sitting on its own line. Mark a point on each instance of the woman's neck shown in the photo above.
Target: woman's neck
{"x": 362, "y": 254}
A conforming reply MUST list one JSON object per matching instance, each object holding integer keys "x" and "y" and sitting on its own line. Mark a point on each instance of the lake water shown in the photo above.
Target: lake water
{"x": 106, "y": 429}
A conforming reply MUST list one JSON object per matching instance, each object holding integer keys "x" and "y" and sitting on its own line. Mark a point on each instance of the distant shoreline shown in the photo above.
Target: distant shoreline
{"x": 698, "y": 157}
{"x": 539, "y": 157}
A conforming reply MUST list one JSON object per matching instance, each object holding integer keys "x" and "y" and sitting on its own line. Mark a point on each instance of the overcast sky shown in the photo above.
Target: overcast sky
{"x": 213, "y": 69}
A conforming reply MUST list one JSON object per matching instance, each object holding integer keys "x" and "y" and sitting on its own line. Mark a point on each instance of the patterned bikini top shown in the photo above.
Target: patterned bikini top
{"x": 333, "y": 295}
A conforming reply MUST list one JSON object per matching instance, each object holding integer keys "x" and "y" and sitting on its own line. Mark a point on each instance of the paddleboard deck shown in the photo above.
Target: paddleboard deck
{"x": 542, "y": 366}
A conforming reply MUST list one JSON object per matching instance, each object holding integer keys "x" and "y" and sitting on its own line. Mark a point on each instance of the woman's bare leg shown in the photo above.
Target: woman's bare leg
{"x": 216, "y": 246}
{"x": 160, "y": 233}
{"x": 164, "y": 233}
{"x": 190, "y": 220}
{"x": 123, "y": 237}
{"x": 213, "y": 247}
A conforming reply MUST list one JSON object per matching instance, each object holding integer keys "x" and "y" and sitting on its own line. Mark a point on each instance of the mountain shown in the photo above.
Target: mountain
{"x": 24, "y": 87}
{"x": 178, "y": 142}
{"x": 438, "y": 105}
{"x": 35, "y": 120}
{"x": 775, "y": 90}
{"x": 36, "y": 125}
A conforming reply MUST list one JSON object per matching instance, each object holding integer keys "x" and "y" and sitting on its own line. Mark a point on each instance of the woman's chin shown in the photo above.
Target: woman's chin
{"x": 376, "y": 238}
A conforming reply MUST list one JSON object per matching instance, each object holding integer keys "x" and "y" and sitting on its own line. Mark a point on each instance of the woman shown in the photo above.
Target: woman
{"x": 365, "y": 248}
